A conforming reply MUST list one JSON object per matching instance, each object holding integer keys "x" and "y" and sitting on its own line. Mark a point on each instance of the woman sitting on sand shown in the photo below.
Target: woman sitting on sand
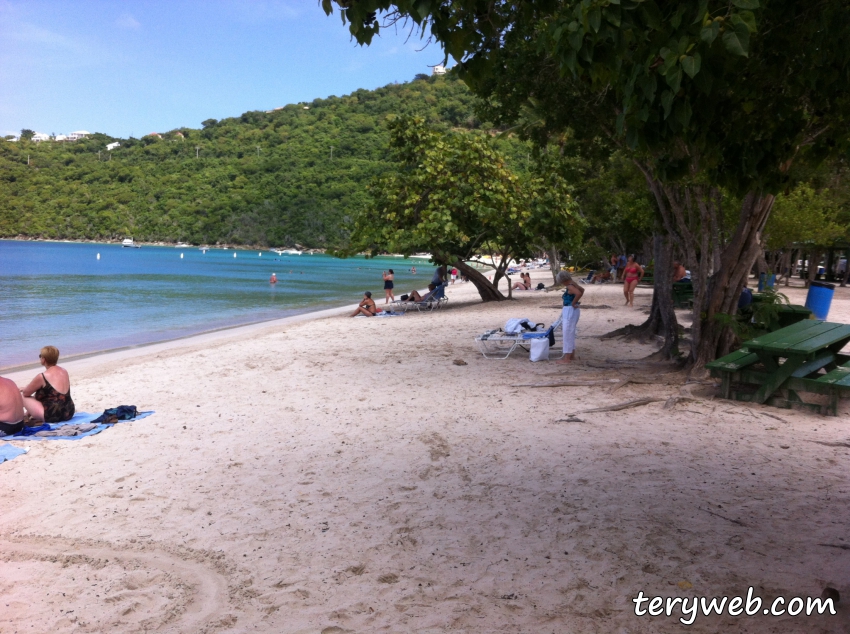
{"x": 525, "y": 284}
{"x": 48, "y": 395}
{"x": 366, "y": 307}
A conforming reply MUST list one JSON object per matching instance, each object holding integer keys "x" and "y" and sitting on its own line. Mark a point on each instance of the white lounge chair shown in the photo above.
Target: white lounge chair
{"x": 498, "y": 344}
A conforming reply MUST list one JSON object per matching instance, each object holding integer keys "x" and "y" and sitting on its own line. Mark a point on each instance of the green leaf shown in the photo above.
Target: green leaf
{"x": 691, "y": 64}
{"x": 748, "y": 18}
{"x": 576, "y": 39}
{"x": 667, "y": 102}
{"x": 683, "y": 112}
{"x": 612, "y": 14}
{"x": 746, "y": 4}
{"x": 594, "y": 18}
{"x": 709, "y": 33}
{"x": 701, "y": 11}
{"x": 674, "y": 78}
{"x": 737, "y": 40}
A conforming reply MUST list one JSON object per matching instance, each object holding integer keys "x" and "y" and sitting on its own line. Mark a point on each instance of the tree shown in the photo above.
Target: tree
{"x": 802, "y": 217}
{"x": 454, "y": 196}
{"x": 704, "y": 94}
{"x": 27, "y": 134}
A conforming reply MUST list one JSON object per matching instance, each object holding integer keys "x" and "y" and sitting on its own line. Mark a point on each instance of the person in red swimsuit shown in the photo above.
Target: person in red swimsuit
{"x": 632, "y": 274}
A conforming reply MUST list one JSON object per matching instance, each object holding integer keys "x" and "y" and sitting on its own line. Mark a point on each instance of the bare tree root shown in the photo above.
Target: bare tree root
{"x": 620, "y": 406}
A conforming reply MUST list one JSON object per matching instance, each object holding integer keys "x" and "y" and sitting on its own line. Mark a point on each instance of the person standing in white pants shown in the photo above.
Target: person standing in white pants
{"x": 570, "y": 313}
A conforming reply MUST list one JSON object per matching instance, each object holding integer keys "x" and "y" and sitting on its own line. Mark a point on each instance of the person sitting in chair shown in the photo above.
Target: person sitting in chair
{"x": 679, "y": 272}
{"x": 366, "y": 307}
{"x": 11, "y": 408}
{"x": 415, "y": 296}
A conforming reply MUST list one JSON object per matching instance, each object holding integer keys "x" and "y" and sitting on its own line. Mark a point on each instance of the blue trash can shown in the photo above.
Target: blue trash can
{"x": 819, "y": 299}
{"x": 769, "y": 283}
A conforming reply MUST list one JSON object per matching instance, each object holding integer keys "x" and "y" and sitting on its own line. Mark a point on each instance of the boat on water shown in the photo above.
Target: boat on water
{"x": 286, "y": 251}
{"x": 182, "y": 245}
{"x": 129, "y": 242}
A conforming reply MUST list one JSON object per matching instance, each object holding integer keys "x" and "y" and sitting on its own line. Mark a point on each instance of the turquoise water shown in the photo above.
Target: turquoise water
{"x": 60, "y": 294}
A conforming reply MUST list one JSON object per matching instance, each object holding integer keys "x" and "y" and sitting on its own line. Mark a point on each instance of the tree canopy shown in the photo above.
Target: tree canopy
{"x": 454, "y": 195}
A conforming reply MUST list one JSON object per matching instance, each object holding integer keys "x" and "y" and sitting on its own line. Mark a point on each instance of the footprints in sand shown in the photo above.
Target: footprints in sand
{"x": 97, "y": 586}
{"x": 438, "y": 446}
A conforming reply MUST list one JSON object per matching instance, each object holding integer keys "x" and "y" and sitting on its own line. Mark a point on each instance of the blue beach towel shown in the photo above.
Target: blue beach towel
{"x": 28, "y": 433}
{"x": 8, "y": 452}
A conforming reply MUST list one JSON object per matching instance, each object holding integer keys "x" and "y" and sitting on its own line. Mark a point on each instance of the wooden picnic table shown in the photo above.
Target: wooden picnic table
{"x": 774, "y": 368}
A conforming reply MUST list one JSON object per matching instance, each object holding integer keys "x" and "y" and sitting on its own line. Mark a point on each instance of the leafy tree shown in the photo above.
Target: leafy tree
{"x": 803, "y": 216}
{"x": 704, "y": 94}
{"x": 454, "y": 196}
{"x": 27, "y": 134}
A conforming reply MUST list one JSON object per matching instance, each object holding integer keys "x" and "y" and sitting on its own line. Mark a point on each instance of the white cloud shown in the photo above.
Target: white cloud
{"x": 127, "y": 21}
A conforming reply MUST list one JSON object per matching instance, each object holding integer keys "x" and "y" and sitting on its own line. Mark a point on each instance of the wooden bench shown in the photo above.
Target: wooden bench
{"x": 775, "y": 368}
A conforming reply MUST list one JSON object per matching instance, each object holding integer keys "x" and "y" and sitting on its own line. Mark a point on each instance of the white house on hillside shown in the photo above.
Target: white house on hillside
{"x": 38, "y": 137}
{"x": 79, "y": 134}
{"x": 60, "y": 137}
{"x": 112, "y": 146}
{"x": 439, "y": 69}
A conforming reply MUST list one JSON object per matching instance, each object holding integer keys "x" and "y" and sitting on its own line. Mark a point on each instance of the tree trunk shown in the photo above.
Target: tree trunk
{"x": 846, "y": 268}
{"x": 488, "y": 291}
{"x": 811, "y": 273}
{"x": 662, "y": 318}
{"x": 554, "y": 262}
{"x": 724, "y": 286}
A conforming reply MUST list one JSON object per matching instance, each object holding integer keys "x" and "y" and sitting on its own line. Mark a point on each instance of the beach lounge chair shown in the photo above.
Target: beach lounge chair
{"x": 434, "y": 300}
{"x": 498, "y": 344}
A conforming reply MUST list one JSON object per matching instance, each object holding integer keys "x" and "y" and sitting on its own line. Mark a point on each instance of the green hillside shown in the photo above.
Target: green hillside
{"x": 265, "y": 178}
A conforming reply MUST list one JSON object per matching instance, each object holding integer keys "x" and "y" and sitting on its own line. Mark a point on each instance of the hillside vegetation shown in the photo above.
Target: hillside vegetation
{"x": 293, "y": 175}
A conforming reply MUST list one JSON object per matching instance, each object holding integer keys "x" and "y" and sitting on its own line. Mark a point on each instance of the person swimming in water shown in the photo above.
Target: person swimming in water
{"x": 273, "y": 279}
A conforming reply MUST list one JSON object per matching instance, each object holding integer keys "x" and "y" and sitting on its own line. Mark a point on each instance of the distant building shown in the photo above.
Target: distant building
{"x": 112, "y": 146}
{"x": 156, "y": 134}
{"x": 60, "y": 137}
{"x": 13, "y": 138}
{"x": 79, "y": 134}
{"x": 38, "y": 137}
{"x": 439, "y": 69}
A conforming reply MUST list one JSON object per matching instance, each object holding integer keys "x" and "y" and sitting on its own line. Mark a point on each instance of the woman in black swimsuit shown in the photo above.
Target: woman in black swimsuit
{"x": 389, "y": 276}
{"x": 48, "y": 395}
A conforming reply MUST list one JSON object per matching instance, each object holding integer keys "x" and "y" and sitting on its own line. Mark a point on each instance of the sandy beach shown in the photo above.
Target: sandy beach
{"x": 326, "y": 474}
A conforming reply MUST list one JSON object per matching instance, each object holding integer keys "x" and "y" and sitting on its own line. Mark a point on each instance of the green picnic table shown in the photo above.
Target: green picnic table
{"x": 775, "y": 368}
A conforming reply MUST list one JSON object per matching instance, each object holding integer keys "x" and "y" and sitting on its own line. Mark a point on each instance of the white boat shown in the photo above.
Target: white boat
{"x": 128, "y": 242}
{"x": 182, "y": 245}
{"x": 290, "y": 252}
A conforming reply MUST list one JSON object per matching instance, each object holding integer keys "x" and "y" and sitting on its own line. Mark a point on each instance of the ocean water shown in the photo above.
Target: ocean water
{"x": 61, "y": 294}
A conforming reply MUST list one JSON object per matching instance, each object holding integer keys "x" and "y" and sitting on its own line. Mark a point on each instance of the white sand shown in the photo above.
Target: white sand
{"x": 344, "y": 475}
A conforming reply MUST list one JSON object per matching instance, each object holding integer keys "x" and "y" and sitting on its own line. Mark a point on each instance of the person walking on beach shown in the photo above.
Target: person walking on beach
{"x": 48, "y": 396}
{"x": 389, "y": 276}
{"x": 633, "y": 273}
{"x": 366, "y": 307}
{"x": 454, "y": 275}
{"x": 569, "y": 314}
{"x": 621, "y": 266}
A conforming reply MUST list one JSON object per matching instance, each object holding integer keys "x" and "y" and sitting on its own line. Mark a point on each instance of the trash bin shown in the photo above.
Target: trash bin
{"x": 819, "y": 299}
{"x": 769, "y": 283}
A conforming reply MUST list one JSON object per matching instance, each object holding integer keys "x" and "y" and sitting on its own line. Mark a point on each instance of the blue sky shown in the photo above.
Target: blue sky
{"x": 135, "y": 67}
